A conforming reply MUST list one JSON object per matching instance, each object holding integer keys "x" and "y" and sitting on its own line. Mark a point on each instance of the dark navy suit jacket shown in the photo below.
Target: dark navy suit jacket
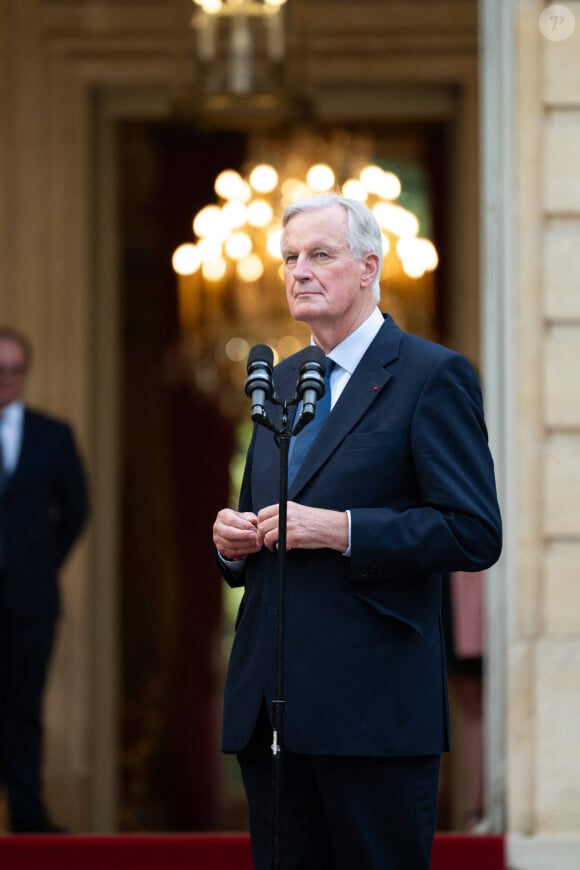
{"x": 42, "y": 511}
{"x": 405, "y": 450}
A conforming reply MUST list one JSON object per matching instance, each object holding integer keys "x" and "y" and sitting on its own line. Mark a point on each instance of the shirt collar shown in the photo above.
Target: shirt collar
{"x": 351, "y": 350}
{"x": 13, "y": 413}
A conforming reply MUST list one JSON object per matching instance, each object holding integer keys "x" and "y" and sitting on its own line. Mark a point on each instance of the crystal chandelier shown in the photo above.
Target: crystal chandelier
{"x": 229, "y": 276}
{"x": 239, "y": 235}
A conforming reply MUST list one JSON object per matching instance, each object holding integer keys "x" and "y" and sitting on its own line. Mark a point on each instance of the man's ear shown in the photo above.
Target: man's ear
{"x": 370, "y": 268}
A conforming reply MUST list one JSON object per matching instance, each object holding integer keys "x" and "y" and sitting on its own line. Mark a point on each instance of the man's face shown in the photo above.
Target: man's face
{"x": 13, "y": 367}
{"x": 325, "y": 285}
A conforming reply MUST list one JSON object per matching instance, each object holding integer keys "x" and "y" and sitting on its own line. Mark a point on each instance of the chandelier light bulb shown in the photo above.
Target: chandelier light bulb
{"x": 320, "y": 177}
{"x": 395, "y": 219}
{"x": 259, "y": 213}
{"x": 413, "y": 268}
{"x": 404, "y": 248}
{"x": 428, "y": 254}
{"x": 214, "y": 270}
{"x": 273, "y": 243}
{"x": 354, "y": 189}
{"x": 288, "y": 185}
{"x": 371, "y": 178}
{"x": 296, "y": 190}
{"x": 186, "y": 259}
{"x": 263, "y": 178}
{"x": 229, "y": 184}
{"x": 209, "y": 250}
{"x": 408, "y": 224}
{"x": 235, "y": 214}
{"x": 250, "y": 268}
{"x": 421, "y": 253}
{"x": 238, "y": 246}
{"x": 388, "y": 186}
{"x": 245, "y": 192}
{"x": 209, "y": 222}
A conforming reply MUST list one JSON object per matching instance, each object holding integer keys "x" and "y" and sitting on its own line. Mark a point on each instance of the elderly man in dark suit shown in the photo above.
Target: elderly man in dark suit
{"x": 43, "y": 507}
{"x": 397, "y": 488}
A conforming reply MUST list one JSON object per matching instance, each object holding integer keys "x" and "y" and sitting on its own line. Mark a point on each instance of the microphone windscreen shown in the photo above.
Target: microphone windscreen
{"x": 314, "y": 354}
{"x": 261, "y": 353}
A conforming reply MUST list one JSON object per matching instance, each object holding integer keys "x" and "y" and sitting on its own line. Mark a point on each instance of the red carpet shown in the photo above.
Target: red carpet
{"x": 201, "y": 852}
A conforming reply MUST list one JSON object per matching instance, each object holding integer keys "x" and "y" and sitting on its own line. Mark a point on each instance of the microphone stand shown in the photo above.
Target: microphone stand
{"x": 282, "y": 436}
{"x": 279, "y": 704}
{"x": 260, "y": 381}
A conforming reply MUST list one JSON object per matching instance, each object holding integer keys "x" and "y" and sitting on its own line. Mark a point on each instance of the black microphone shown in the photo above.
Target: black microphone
{"x": 259, "y": 386}
{"x": 311, "y": 384}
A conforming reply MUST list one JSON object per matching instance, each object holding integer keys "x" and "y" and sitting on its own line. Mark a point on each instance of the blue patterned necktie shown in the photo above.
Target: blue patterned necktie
{"x": 303, "y": 440}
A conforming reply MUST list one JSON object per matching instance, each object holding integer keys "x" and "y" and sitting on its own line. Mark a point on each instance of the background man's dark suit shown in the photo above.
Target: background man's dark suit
{"x": 405, "y": 450}
{"x": 43, "y": 508}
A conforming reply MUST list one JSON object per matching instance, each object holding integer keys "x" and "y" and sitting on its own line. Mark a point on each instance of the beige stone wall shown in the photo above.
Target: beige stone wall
{"x": 57, "y": 283}
{"x": 543, "y": 783}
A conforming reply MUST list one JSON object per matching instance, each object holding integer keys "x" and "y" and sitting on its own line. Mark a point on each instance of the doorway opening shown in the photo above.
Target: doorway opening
{"x": 179, "y": 454}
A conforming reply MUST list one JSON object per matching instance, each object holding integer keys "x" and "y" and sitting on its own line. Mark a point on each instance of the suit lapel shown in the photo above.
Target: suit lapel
{"x": 364, "y": 387}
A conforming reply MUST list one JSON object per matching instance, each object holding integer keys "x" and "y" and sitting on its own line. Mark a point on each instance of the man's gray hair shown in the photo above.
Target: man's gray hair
{"x": 364, "y": 233}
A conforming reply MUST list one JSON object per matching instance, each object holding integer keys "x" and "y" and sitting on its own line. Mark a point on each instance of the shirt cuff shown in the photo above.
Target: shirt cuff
{"x": 348, "y": 549}
{"x": 232, "y": 564}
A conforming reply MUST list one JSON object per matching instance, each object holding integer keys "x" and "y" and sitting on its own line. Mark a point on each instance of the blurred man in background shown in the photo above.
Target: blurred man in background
{"x": 43, "y": 508}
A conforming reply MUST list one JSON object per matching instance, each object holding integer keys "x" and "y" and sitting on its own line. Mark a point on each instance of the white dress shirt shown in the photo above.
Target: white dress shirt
{"x": 346, "y": 356}
{"x": 11, "y": 427}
